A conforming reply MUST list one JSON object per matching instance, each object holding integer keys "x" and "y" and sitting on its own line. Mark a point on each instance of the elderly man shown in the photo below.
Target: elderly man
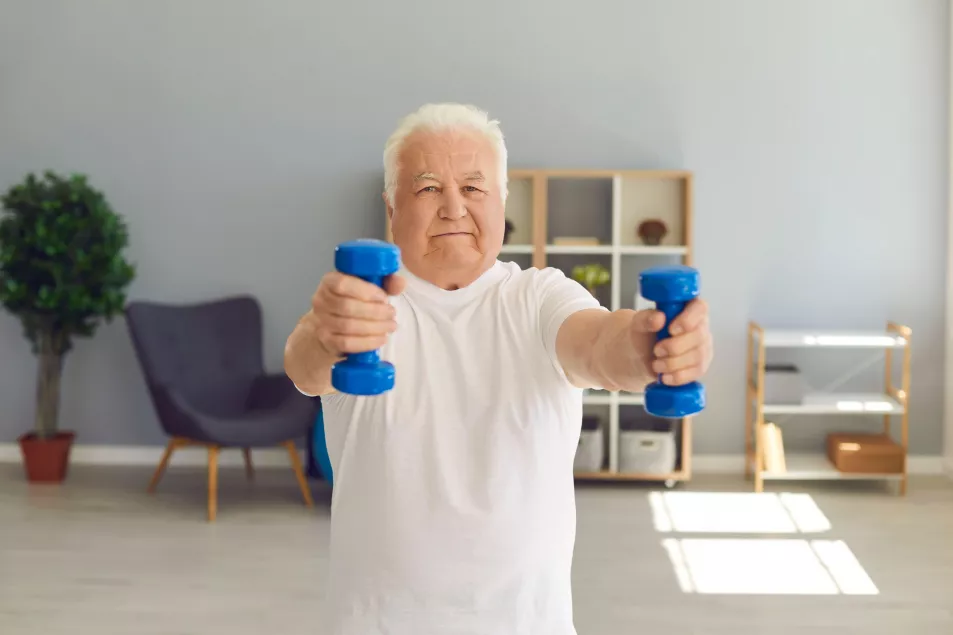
{"x": 453, "y": 509}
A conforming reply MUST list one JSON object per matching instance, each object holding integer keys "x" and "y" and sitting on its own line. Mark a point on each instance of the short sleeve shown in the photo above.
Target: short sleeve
{"x": 559, "y": 297}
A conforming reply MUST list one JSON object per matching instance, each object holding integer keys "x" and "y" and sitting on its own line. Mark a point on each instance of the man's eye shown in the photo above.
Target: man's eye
{"x": 429, "y": 188}
{"x": 471, "y": 188}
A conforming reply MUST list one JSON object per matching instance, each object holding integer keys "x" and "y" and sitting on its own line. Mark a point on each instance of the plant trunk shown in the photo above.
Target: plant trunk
{"x": 48, "y": 385}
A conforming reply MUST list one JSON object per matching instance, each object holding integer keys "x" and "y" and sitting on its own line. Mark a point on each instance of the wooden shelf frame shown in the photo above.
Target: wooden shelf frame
{"x": 893, "y": 402}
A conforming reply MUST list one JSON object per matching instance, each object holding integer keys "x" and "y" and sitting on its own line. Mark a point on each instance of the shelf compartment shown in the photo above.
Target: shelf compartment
{"x": 579, "y": 207}
{"x": 642, "y": 198}
{"x": 519, "y": 211}
{"x": 817, "y": 467}
{"x": 567, "y": 262}
{"x": 838, "y": 403}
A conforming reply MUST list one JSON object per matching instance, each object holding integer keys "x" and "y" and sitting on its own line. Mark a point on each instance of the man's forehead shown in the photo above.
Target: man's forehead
{"x": 435, "y": 163}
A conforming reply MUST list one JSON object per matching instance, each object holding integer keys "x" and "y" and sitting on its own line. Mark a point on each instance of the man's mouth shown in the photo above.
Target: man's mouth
{"x": 453, "y": 234}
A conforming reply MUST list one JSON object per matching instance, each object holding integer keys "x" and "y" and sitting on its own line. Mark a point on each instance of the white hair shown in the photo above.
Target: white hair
{"x": 442, "y": 117}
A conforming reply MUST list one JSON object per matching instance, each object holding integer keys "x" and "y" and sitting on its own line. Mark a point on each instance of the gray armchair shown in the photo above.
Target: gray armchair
{"x": 204, "y": 369}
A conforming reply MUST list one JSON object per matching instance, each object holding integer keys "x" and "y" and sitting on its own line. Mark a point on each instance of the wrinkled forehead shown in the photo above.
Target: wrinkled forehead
{"x": 446, "y": 155}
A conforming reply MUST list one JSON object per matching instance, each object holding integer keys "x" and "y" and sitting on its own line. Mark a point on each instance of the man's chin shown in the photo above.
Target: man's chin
{"x": 458, "y": 258}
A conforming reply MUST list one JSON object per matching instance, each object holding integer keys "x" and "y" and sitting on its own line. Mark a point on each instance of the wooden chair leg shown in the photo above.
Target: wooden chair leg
{"x": 163, "y": 464}
{"x": 249, "y": 468}
{"x": 299, "y": 473}
{"x": 212, "y": 482}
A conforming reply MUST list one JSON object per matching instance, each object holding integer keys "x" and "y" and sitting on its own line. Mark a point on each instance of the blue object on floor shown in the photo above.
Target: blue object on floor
{"x": 319, "y": 448}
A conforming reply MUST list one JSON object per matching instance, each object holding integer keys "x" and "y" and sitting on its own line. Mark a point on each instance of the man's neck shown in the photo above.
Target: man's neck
{"x": 450, "y": 279}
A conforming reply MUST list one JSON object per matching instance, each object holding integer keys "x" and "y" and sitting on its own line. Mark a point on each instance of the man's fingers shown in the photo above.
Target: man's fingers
{"x": 679, "y": 344}
{"x": 690, "y": 359}
{"x": 683, "y": 376}
{"x": 337, "y": 325}
{"x": 648, "y": 321}
{"x": 358, "y": 309}
{"x": 352, "y": 287}
{"x": 690, "y": 318}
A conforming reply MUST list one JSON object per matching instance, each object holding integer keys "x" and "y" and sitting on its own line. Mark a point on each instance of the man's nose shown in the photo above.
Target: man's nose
{"x": 454, "y": 205}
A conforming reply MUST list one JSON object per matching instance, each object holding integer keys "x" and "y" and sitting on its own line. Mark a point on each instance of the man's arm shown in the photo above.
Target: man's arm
{"x": 596, "y": 350}
{"x": 618, "y": 350}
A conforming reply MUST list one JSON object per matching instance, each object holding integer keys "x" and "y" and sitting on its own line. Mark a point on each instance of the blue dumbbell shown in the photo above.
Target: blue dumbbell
{"x": 370, "y": 260}
{"x": 671, "y": 288}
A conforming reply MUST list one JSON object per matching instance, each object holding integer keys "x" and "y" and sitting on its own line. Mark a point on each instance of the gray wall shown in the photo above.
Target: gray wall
{"x": 816, "y": 130}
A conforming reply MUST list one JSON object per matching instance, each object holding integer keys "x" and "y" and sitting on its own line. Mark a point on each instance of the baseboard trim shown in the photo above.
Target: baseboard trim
{"x": 150, "y": 455}
{"x": 278, "y": 457}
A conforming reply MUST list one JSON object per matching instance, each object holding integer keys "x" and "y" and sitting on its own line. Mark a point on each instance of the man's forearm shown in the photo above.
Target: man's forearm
{"x": 307, "y": 362}
{"x": 598, "y": 349}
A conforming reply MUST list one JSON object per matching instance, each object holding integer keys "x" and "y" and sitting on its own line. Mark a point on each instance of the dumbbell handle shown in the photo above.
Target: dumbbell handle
{"x": 374, "y": 356}
{"x": 671, "y": 311}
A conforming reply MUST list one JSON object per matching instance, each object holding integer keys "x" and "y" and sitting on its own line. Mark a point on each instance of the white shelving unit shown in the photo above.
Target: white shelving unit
{"x": 608, "y": 205}
{"x": 889, "y": 404}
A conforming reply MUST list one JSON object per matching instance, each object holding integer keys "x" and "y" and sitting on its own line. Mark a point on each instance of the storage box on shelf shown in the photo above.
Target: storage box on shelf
{"x": 880, "y": 450}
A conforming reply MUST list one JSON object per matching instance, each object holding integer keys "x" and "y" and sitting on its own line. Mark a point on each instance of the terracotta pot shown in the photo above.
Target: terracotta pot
{"x": 46, "y": 460}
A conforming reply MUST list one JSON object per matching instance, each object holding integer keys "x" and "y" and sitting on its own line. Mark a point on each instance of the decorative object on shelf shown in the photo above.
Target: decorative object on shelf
{"x": 652, "y": 231}
{"x": 856, "y": 453}
{"x": 772, "y": 444}
{"x": 576, "y": 241}
{"x": 508, "y": 229}
{"x": 62, "y": 272}
{"x": 591, "y": 276}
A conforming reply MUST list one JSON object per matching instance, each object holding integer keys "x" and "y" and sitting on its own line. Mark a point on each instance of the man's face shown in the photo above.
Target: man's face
{"x": 448, "y": 214}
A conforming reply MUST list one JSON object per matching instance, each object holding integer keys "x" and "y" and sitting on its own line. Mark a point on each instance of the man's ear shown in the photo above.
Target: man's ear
{"x": 390, "y": 209}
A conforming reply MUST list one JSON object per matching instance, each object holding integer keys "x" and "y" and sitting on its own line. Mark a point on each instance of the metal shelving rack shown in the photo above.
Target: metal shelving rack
{"x": 891, "y": 403}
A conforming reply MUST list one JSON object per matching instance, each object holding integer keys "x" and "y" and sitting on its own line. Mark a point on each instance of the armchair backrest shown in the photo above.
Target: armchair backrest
{"x": 208, "y": 352}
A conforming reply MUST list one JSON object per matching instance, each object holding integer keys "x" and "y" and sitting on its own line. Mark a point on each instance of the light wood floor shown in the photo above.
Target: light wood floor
{"x": 99, "y": 556}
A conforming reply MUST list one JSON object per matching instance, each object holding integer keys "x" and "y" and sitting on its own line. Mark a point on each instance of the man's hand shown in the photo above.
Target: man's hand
{"x": 686, "y": 355}
{"x": 347, "y": 315}
{"x": 350, "y": 315}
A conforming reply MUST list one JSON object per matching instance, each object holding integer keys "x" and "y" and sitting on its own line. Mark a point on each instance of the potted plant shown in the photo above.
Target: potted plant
{"x": 591, "y": 276}
{"x": 62, "y": 272}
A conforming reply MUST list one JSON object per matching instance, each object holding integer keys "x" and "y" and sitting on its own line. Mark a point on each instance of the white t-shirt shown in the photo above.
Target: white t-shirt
{"x": 453, "y": 510}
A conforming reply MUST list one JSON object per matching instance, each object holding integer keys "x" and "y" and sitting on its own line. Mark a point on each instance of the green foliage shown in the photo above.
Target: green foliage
{"x": 591, "y": 276}
{"x": 62, "y": 269}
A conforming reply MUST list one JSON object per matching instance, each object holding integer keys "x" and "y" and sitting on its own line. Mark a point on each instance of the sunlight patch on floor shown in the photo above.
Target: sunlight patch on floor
{"x": 768, "y": 566}
{"x": 736, "y": 513}
{"x": 748, "y": 557}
